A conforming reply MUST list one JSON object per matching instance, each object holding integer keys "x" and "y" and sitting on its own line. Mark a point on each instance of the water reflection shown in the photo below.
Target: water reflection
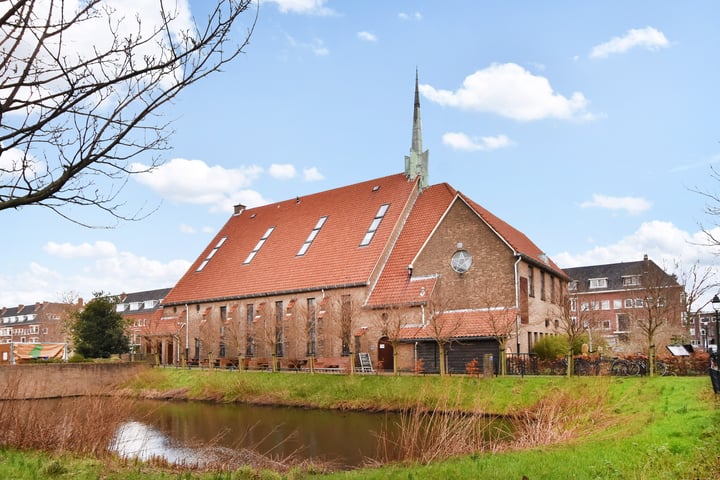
{"x": 176, "y": 430}
{"x": 138, "y": 440}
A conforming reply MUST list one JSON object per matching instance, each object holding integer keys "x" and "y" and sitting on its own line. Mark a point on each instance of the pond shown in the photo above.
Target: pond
{"x": 347, "y": 439}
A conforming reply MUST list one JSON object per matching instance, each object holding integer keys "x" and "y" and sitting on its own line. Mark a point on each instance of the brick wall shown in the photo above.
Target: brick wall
{"x": 63, "y": 379}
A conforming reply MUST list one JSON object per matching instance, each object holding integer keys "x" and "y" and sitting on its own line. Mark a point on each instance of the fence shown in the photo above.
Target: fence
{"x": 530, "y": 364}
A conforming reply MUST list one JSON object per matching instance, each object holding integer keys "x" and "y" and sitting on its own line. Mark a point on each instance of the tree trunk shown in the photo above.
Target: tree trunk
{"x": 442, "y": 358}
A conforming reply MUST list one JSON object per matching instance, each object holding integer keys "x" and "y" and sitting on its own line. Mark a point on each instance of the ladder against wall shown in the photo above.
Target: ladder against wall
{"x": 365, "y": 365}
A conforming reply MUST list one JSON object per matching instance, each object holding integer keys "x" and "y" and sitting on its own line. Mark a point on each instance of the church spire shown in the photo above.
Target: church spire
{"x": 416, "y": 164}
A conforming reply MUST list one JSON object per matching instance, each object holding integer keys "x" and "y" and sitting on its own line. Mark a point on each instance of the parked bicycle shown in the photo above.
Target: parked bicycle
{"x": 637, "y": 367}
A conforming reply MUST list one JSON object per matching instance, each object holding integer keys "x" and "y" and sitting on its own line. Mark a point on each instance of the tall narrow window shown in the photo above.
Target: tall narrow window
{"x": 346, "y": 323}
{"x": 249, "y": 340}
{"x": 531, "y": 281}
{"x": 279, "y": 314}
{"x": 211, "y": 254}
{"x": 311, "y": 237}
{"x": 311, "y": 327}
{"x": 258, "y": 246}
{"x": 374, "y": 225}
{"x": 542, "y": 285}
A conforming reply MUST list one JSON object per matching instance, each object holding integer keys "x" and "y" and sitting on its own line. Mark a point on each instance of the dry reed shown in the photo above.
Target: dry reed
{"x": 425, "y": 435}
{"x": 56, "y": 425}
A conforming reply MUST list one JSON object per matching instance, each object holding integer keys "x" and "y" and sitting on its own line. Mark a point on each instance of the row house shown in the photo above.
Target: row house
{"x": 38, "y": 323}
{"x": 393, "y": 267}
{"x": 618, "y": 303}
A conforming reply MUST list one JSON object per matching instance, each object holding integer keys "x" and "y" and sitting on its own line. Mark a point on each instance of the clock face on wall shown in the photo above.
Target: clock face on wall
{"x": 461, "y": 261}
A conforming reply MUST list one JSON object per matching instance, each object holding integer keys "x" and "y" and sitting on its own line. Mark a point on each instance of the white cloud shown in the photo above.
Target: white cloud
{"x": 312, "y": 174}
{"x": 513, "y": 92}
{"x": 461, "y": 141}
{"x": 99, "y": 249}
{"x": 662, "y": 241}
{"x": 303, "y": 7}
{"x": 367, "y": 36}
{"x": 101, "y": 267}
{"x": 632, "y": 205}
{"x": 410, "y": 16}
{"x": 283, "y": 172}
{"x": 187, "y": 228}
{"x": 196, "y": 182}
{"x": 647, "y": 37}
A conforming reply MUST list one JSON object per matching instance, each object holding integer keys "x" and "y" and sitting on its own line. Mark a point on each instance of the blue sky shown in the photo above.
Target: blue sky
{"x": 586, "y": 125}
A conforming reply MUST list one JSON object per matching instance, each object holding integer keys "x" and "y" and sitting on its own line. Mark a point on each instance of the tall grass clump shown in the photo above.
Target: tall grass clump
{"x": 559, "y": 417}
{"x": 56, "y": 426}
{"x": 425, "y": 434}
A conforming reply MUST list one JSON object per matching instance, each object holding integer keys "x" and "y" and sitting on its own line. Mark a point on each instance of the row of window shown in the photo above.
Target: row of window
{"x": 255, "y": 313}
{"x": 134, "y": 306}
{"x": 595, "y": 283}
{"x": 31, "y": 330}
{"x": 553, "y": 293}
{"x": 19, "y": 318}
{"x": 22, "y": 340}
{"x": 616, "y": 304}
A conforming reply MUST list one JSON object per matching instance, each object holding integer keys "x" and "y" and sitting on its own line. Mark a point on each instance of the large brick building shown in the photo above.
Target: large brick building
{"x": 620, "y": 303}
{"x": 392, "y": 267}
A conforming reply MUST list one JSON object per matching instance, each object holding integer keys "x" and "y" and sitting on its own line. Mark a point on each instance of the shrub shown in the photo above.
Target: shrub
{"x": 551, "y": 347}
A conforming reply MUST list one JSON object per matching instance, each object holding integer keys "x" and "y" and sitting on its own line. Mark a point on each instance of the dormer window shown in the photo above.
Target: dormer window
{"x": 598, "y": 283}
{"x": 631, "y": 281}
{"x": 311, "y": 237}
{"x": 259, "y": 245}
{"x": 374, "y": 225}
{"x": 572, "y": 286}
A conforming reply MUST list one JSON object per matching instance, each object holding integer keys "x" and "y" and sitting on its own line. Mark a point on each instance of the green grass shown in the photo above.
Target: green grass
{"x": 652, "y": 428}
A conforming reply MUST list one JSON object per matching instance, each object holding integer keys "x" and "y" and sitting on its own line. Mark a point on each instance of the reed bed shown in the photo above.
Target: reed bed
{"x": 428, "y": 435}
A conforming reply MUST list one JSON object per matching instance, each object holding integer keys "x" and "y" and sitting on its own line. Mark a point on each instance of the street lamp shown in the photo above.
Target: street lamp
{"x": 716, "y": 306}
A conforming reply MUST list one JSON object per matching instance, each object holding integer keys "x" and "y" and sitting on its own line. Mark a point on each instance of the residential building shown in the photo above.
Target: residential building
{"x": 39, "y": 323}
{"x": 150, "y": 335}
{"x": 702, "y": 331}
{"x": 620, "y": 303}
{"x": 389, "y": 263}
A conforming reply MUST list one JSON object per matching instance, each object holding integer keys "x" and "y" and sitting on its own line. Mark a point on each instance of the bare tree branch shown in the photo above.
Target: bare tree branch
{"x": 73, "y": 116}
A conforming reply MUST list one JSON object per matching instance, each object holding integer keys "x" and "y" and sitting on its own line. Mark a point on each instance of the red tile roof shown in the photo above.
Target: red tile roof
{"x": 396, "y": 286}
{"x": 335, "y": 258}
{"x": 462, "y": 324}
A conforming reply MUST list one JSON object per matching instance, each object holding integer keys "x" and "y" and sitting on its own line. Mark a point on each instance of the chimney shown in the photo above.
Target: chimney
{"x": 238, "y": 209}
{"x": 20, "y": 308}
{"x": 80, "y": 302}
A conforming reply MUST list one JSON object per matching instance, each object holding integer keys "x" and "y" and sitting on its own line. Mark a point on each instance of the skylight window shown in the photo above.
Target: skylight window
{"x": 211, "y": 254}
{"x": 374, "y": 225}
{"x": 258, "y": 246}
{"x": 311, "y": 237}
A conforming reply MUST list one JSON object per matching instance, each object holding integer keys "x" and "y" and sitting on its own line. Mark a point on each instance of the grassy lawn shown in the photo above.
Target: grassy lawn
{"x": 624, "y": 428}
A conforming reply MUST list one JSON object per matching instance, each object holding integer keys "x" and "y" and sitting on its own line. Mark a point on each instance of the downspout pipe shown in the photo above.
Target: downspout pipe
{"x": 517, "y": 303}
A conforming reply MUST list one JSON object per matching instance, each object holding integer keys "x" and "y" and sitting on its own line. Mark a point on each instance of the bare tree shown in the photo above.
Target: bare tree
{"x": 573, "y": 321}
{"x": 390, "y": 322}
{"x": 441, "y": 322}
{"x": 501, "y": 319}
{"x": 661, "y": 311}
{"x": 698, "y": 282}
{"x": 74, "y": 112}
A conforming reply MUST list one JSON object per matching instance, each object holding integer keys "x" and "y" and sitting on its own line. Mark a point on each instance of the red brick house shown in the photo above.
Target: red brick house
{"x": 384, "y": 264}
{"x": 619, "y": 303}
